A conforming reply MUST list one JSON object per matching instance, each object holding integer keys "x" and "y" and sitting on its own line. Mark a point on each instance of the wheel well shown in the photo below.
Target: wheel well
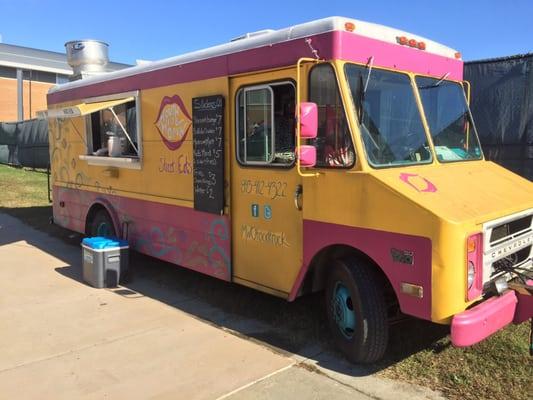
{"x": 92, "y": 212}
{"x": 316, "y": 277}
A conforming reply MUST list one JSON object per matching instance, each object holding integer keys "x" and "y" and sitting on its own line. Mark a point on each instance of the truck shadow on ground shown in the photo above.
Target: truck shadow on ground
{"x": 293, "y": 328}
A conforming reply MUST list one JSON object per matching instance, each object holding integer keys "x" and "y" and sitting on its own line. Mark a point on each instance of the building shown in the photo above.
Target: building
{"x": 26, "y": 75}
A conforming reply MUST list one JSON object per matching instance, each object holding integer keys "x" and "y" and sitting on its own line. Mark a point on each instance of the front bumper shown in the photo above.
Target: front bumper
{"x": 479, "y": 322}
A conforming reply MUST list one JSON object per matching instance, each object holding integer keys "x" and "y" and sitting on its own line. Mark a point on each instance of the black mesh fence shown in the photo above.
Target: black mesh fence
{"x": 25, "y": 143}
{"x": 502, "y": 106}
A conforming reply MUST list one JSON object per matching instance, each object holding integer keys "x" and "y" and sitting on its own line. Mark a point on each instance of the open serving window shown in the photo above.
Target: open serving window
{"x": 113, "y": 129}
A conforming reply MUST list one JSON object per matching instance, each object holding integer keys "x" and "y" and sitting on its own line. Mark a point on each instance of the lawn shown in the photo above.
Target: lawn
{"x": 419, "y": 352}
{"x": 497, "y": 368}
{"x": 22, "y": 188}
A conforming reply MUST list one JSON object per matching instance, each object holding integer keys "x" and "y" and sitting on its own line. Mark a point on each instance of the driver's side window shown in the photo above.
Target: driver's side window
{"x": 333, "y": 142}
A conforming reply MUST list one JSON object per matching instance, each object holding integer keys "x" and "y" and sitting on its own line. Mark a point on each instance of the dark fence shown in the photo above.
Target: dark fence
{"x": 502, "y": 106}
{"x": 25, "y": 143}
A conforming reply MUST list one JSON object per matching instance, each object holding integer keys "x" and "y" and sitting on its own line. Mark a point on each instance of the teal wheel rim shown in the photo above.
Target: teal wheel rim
{"x": 103, "y": 229}
{"x": 343, "y": 311}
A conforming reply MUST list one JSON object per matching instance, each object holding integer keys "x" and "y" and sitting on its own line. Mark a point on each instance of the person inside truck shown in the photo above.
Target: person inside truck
{"x": 258, "y": 144}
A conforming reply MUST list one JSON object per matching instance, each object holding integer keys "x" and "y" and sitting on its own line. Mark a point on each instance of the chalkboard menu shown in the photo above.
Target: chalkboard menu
{"x": 208, "y": 153}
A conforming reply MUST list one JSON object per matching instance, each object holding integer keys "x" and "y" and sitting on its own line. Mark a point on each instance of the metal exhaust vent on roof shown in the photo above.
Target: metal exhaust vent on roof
{"x": 252, "y": 34}
{"x": 87, "y": 57}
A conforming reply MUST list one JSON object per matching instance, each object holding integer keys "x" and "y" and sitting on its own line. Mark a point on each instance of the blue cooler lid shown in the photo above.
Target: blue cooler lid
{"x": 99, "y": 242}
{"x": 121, "y": 242}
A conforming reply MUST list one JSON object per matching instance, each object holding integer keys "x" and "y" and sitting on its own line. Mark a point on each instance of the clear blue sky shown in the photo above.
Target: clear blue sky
{"x": 157, "y": 29}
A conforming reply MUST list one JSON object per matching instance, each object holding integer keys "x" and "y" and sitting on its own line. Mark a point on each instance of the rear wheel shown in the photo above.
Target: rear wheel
{"x": 101, "y": 224}
{"x": 356, "y": 310}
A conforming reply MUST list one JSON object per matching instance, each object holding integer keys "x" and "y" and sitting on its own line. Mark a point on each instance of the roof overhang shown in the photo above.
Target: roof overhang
{"x": 35, "y": 67}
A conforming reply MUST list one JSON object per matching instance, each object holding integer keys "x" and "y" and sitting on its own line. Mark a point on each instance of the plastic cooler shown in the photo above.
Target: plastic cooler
{"x": 105, "y": 260}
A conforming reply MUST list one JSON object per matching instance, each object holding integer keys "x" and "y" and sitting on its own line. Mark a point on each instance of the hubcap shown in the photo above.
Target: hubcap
{"x": 343, "y": 312}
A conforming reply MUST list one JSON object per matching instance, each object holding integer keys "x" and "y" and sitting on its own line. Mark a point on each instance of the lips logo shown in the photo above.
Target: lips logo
{"x": 418, "y": 183}
{"x": 173, "y": 122}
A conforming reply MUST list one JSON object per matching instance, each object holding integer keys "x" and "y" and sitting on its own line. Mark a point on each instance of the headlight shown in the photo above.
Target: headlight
{"x": 471, "y": 274}
{"x": 474, "y": 266}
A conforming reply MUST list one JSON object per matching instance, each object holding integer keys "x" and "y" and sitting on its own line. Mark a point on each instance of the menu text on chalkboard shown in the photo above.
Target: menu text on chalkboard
{"x": 208, "y": 153}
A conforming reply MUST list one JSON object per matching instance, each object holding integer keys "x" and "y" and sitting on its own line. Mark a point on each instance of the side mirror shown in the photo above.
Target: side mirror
{"x": 308, "y": 120}
{"x": 307, "y": 156}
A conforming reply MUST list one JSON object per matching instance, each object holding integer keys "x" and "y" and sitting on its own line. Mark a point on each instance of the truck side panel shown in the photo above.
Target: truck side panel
{"x": 154, "y": 202}
{"x": 180, "y": 235}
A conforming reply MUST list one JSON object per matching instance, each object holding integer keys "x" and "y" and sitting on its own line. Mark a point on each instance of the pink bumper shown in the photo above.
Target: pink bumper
{"x": 481, "y": 321}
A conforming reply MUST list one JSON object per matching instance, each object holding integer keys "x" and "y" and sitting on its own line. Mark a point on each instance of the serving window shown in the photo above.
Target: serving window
{"x": 113, "y": 131}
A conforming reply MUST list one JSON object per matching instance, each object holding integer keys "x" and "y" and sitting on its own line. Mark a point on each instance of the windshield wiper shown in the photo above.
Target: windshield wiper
{"x": 436, "y": 84}
{"x": 362, "y": 88}
{"x": 447, "y": 74}
{"x": 369, "y": 65}
{"x": 360, "y": 99}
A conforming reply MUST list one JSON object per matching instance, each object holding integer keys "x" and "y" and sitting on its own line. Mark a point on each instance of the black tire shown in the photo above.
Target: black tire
{"x": 356, "y": 284}
{"x": 97, "y": 223}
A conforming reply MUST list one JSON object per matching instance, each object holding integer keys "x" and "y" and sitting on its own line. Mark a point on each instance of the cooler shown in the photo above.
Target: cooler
{"x": 105, "y": 261}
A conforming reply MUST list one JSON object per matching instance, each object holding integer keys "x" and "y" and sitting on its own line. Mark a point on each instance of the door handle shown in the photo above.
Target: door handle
{"x": 298, "y": 197}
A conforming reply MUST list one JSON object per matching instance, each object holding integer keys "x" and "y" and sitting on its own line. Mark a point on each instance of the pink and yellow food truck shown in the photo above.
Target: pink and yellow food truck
{"x": 336, "y": 155}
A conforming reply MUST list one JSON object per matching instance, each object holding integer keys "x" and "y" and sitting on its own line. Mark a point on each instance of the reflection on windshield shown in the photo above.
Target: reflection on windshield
{"x": 391, "y": 126}
{"x": 446, "y": 111}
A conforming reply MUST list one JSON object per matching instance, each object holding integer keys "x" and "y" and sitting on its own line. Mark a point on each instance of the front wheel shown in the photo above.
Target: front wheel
{"x": 356, "y": 310}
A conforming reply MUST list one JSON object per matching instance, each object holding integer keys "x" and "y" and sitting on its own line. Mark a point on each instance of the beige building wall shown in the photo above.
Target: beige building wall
{"x": 8, "y": 99}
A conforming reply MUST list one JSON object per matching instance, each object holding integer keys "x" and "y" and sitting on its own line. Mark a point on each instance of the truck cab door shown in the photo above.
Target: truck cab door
{"x": 266, "y": 222}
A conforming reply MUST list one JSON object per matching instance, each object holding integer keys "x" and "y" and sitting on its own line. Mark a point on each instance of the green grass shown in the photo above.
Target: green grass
{"x": 497, "y": 368}
{"x": 22, "y": 188}
{"x": 419, "y": 352}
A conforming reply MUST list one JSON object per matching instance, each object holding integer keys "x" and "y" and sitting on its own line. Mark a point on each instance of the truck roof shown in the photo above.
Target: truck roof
{"x": 264, "y": 38}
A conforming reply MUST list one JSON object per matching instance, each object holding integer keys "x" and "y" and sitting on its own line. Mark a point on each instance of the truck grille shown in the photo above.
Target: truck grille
{"x": 508, "y": 244}
{"x": 511, "y": 261}
{"x": 509, "y": 230}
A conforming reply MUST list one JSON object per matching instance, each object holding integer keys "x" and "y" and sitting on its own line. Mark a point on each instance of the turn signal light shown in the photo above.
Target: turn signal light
{"x": 471, "y": 244}
{"x": 349, "y": 26}
{"x": 457, "y": 55}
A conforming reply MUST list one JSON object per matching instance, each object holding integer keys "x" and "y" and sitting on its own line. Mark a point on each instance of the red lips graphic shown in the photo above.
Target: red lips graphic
{"x": 173, "y": 122}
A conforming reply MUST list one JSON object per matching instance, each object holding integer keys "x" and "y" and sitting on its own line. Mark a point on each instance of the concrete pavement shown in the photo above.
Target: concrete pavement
{"x": 61, "y": 339}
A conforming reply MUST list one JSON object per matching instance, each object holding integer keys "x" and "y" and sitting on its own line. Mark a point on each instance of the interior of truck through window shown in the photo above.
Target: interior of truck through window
{"x": 266, "y": 124}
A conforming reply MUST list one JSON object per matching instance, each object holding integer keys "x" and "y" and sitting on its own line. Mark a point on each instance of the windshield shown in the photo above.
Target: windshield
{"x": 450, "y": 124}
{"x": 391, "y": 126}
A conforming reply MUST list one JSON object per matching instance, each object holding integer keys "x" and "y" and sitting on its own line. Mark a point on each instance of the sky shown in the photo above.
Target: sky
{"x": 156, "y": 29}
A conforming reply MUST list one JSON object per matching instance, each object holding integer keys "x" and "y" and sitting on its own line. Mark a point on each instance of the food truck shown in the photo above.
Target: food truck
{"x": 336, "y": 155}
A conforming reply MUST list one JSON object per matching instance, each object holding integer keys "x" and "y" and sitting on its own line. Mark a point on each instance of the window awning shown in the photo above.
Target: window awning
{"x": 85, "y": 108}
